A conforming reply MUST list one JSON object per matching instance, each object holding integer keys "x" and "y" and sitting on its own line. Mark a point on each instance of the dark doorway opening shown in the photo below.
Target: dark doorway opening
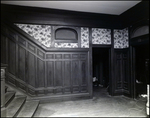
{"x": 141, "y": 69}
{"x": 101, "y": 69}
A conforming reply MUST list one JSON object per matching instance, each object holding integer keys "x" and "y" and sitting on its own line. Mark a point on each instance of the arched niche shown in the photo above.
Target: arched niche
{"x": 66, "y": 34}
{"x": 140, "y": 31}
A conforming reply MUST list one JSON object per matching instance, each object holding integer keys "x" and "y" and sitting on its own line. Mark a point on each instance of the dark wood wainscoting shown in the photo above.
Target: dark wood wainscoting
{"x": 121, "y": 75}
{"x": 45, "y": 73}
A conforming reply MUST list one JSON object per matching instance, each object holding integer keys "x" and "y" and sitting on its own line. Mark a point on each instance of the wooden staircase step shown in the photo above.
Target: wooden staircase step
{"x": 9, "y": 97}
{"x": 28, "y": 108}
{"x": 15, "y": 106}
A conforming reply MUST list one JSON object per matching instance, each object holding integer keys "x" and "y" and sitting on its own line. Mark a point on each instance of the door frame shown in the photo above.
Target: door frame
{"x": 109, "y": 47}
{"x": 133, "y": 69}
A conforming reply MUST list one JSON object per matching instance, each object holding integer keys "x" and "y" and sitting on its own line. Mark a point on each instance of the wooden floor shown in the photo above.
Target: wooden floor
{"x": 101, "y": 105}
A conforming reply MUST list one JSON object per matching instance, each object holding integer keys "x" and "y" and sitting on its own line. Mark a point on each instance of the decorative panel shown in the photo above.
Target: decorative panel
{"x": 31, "y": 48}
{"x": 12, "y": 57}
{"x": 83, "y": 72}
{"x": 21, "y": 63}
{"x": 67, "y": 56}
{"x": 140, "y": 31}
{"x": 121, "y": 38}
{"x": 67, "y": 73}
{"x": 40, "y": 73}
{"x": 75, "y": 56}
{"x": 118, "y": 76}
{"x": 21, "y": 41}
{"x": 101, "y": 36}
{"x": 125, "y": 71}
{"x": 65, "y": 34}
{"x": 50, "y": 56}
{"x": 41, "y": 33}
{"x": 121, "y": 72}
{"x": 31, "y": 69}
{"x": 84, "y": 37}
{"x": 3, "y": 49}
{"x": 58, "y": 73}
{"x": 66, "y": 45}
{"x": 50, "y": 73}
{"x": 125, "y": 75}
{"x": 45, "y": 72}
{"x": 75, "y": 74}
{"x": 40, "y": 53}
{"x": 58, "y": 56}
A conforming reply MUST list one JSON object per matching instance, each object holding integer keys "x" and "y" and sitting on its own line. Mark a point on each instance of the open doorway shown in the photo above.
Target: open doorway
{"x": 141, "y": 69}
{"x": 101, "y": 69}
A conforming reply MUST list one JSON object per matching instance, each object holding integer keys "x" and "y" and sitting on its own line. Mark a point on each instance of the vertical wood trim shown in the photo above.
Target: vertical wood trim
{"x": 26, "y": 67}
{"x": 131, "y": 74}
{"x": 90, "y": 65}
{"x": 16, "y": 55}
{"x": 80, "y": 78}
{"x": 35, "y": 59}
{"x": 133, "y": 82}
{"x": 79, "y": 37}
{"x": 54, "y": 73}
{"x": 110, "y": 70}
{"x": 52, "y": 37}
{"x": 6, "y": 47}
{"x": 121, "y": 66}
{"x": 129, "y": 65}
{"x": 112, "y": 79}
{"x": 46, "y": 77}
{"x": 70, "y": 76}
{"x": 62, "y": 69}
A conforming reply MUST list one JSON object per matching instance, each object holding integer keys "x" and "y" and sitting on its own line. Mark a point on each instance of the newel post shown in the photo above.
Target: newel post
{"x": 3, "y": 72}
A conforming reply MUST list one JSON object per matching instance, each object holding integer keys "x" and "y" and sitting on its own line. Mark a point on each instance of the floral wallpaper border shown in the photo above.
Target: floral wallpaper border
{"x": 66, "y": 45}
{"x": 121, "y": 39}
{"x": 41, "y": 33}
{"x": 84, "y": 37}
{"x": 101, "y": 36}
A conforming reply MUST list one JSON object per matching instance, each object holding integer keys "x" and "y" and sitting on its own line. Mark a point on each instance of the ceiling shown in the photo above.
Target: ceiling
{"x": 104, "y": 7}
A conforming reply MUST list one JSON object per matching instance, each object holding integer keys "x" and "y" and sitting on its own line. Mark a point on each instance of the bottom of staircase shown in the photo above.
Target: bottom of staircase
{"x": 18, "y": 105}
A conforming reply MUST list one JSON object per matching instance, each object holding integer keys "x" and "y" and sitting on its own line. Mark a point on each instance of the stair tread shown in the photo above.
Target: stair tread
{"x": 15, "y": 105}
{"x": 28, "y": 108}
{"x": 8, "y": 96}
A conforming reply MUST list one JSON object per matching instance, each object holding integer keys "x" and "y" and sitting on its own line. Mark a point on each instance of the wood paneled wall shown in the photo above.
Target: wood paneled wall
{"x": 121, "y": 75}
{"x": 40, "y": 72}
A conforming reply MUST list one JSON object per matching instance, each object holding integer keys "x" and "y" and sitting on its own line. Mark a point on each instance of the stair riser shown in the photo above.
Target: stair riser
{"x": 9, "y": 101}
{"x": 29, "y": 109}
{"x": 20, "y": 108}
{"x": 17, "y": 105}
{"x": 35, "y": 110}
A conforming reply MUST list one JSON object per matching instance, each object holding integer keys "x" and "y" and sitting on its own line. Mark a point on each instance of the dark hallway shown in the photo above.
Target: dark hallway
{"x": 101, "y": 70}
{"x": 142, "y": 68}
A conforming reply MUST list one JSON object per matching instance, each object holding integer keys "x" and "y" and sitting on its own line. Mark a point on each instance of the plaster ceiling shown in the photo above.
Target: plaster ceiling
{"x": 105, "y": 7}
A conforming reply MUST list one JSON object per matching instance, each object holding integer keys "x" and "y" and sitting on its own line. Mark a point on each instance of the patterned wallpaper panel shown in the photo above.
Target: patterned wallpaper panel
{"x": 66, "y": 45}
{"x": 121, "y": 39}
{"x": 41, "y": 33}
{"x": 101, "y": 36}
{"x": 84, "y": 37}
